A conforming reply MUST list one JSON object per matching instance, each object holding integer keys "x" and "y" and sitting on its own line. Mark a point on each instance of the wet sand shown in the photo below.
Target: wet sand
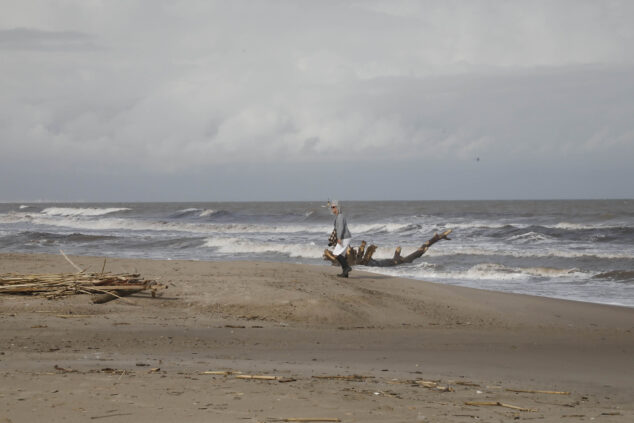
{"x": 370, "y": 348}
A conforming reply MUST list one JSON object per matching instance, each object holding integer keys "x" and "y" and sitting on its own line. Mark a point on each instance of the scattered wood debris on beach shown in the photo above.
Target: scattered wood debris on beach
{"x": 102, "y": 286}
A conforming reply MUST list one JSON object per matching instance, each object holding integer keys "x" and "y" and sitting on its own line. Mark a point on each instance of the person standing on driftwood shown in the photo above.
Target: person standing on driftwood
{"x": 343, "y": 238}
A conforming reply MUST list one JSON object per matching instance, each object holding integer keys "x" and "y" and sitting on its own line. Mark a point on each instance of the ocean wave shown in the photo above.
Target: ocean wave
{"x": 617, "y": 275}
{"x": 479, "y": 224}
{"x": 116, "y": 223}
{"x": 485, "y": 271}
{"x": 246, "y": 246}
{"x": 80, "y": 211}
{"x": 73, "y": 218}
{"x": 580, "y": 226}
{"x": 208, "y": 212}
{"x": 377, "y": 228}
{"x": 476, "y": 251}
{"x": 195, "y": 212}
{"x": 48, "y": 238}
{"x": 185, "y": 212}
{"x": 529, "y": 237}
{"x": 564, "y": 226}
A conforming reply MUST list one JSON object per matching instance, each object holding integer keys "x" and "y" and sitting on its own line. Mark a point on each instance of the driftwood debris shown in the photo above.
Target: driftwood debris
{"x": 103, "y": 287}
{"x": 364, "y": 257}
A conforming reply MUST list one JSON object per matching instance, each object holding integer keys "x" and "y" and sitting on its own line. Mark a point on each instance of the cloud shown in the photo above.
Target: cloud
{"x": 34, "y": 39}
{"x": 173, "y": 87}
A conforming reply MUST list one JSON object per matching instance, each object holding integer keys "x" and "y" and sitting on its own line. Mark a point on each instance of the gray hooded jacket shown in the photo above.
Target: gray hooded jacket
{"x": 341, "y": 226}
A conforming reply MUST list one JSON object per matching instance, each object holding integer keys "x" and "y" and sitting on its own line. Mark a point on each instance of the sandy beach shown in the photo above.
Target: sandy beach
{"x": 262, "y": 341}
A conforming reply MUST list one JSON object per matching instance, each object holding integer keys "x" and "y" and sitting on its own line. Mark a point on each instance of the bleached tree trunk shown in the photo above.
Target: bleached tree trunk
{"x": 364, "y": 257}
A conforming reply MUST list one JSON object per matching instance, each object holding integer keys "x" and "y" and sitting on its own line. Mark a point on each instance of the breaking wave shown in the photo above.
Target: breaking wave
{"x": 75, "y": 211}
{"x": 541, "y": 253}
{"x": 617, "y": 275}
{"x": 234, "y": 246}
{"x": 529, "y": 237}
{"x": 195, "y": 212}
{"x": 484, "y": 271}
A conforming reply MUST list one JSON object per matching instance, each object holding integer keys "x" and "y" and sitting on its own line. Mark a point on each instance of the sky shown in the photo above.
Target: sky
{"x": 152, "y": 100}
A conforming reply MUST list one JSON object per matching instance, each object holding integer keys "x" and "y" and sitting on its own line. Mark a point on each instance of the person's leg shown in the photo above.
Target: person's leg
{"x": 345, "y": 269}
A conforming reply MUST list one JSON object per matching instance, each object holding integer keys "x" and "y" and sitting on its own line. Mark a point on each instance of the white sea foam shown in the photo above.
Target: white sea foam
{"x": 529, "y": 237}
{"x": 485, "y": 224}
{"x": 22, "y": 207}
{"x": 580, "y": 226}
{"x": 247, "y": 246}
{"x": 381, "y": 227}
{"x": 480, "y": 224}
{"x": 450, "y": 251}
{"x": 200, "y": 212}
{"x": 114, "y": 223}
{"x": 79, "y": 211}
{"x": 484, "y": 271}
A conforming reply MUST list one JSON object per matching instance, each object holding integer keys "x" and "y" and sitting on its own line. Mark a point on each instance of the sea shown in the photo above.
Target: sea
{"x": 578, "y": 250}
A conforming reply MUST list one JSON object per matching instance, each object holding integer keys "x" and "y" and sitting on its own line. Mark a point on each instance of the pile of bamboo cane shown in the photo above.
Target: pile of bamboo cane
{"x": 104, "y": 286}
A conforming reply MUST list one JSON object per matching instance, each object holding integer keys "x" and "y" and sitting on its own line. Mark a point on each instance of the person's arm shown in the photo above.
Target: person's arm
{"x": 339, "y": 224}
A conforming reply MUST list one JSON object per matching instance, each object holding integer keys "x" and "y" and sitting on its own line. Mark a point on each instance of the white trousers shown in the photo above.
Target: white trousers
{"x": 343, "y": 247}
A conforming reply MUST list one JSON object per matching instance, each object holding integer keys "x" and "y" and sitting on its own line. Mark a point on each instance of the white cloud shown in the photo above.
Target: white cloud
{"x": 170, "y": 86}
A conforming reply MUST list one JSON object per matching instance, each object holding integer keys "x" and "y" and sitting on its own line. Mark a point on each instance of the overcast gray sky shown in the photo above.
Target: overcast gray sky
{"x": 303, "y": 100}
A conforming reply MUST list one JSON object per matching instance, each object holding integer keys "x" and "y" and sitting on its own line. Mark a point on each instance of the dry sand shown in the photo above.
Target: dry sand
{"x": 391, "y": 350}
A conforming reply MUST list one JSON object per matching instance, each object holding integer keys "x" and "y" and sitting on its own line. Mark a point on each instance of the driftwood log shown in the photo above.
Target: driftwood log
{"x": 364, "y": 257}
{"x": 104, "y": 287}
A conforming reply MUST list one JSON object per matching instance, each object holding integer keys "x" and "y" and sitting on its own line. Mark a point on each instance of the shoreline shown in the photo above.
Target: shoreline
{"x": 297, "y": 322}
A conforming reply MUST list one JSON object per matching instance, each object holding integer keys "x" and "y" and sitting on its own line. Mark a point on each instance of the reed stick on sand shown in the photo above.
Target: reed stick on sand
{"x": 498, "y": 404}
{"x": 533, "y": 391}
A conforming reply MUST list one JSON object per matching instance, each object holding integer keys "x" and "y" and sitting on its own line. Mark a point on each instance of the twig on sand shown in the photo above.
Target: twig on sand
{"x": 221, "y": 372}
{"x": 352, "y": 377}
{"x": 306, "y": 419}
{"x": 110, "y": 415}
{"x": 257, "y": 377}
{"x": 79, "y": 269}
{"x": 70, "y": 316}
{"x": 104, "y": 265}
{"x": 533, "y": 391}
{"x": 498, "y": 404}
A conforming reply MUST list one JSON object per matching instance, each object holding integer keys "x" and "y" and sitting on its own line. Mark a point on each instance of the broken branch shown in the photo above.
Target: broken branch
{"x": 364, "y": 257}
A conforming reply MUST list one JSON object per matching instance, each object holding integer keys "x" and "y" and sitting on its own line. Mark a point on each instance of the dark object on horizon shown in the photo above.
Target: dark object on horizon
{"x": 364, "y": 257}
